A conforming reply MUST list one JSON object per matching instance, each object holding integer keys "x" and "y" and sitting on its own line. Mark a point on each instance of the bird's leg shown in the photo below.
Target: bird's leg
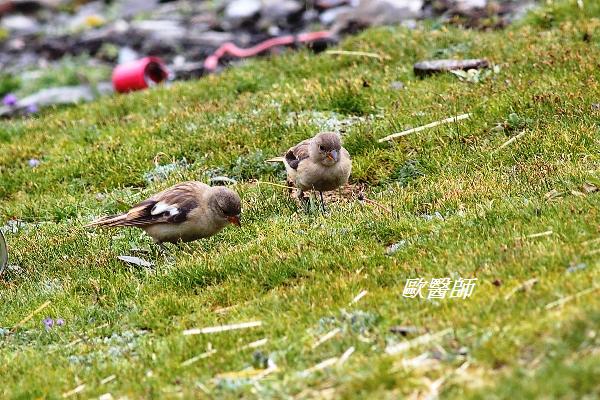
{"x": 163, "y": 251}
{"x": 323, "y": 203}
{"x": 162, "y": 248}
{"x": 304, "y": 201}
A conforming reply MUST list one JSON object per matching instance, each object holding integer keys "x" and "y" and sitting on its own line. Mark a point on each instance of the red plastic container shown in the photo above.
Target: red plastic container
{"x": 139, "y": 74}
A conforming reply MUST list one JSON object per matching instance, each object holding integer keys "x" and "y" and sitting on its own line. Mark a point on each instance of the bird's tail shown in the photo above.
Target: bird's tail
{"x": 109, "y": 221}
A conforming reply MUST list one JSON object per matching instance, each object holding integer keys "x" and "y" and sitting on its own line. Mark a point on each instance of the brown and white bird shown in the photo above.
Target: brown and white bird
{"x": 182, "y": 213}
{"x": 319, "y": 163}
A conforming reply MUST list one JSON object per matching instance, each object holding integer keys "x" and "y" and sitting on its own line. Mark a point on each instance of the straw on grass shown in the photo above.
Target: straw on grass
{"x": 326, "y": 337}
{"x": 78, "y": 389}
{"x": 222, "y": 328}
{"x": 423, "y": 339}
{"x": 359, "y": 296}
{"x": 31, "y": 315}
{"x": 421, "y": 128}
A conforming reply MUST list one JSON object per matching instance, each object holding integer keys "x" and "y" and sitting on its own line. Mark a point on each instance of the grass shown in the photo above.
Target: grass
{"x": 462, "y": 207}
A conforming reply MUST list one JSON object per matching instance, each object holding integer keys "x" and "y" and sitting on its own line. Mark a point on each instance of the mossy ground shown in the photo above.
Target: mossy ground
{"x": 462, "y": 207}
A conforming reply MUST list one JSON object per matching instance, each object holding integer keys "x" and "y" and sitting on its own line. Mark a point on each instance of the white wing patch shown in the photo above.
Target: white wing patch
{"x": 161, "y": 207}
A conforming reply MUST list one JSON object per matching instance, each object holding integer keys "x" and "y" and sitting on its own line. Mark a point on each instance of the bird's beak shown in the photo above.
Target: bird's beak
{"x": 333, "y": 155}
{"x": 235, "y": 220}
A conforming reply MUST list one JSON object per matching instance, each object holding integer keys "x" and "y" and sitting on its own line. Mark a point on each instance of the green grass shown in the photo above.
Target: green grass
{"x": 298, "y": 273}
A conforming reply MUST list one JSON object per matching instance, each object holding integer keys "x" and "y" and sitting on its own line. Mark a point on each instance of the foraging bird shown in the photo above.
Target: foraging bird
{"x": 182, "y": 213}
{"x": 319, "y": 163}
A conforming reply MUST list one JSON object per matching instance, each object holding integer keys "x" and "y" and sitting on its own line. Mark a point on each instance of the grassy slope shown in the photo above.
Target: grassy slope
{"x": 292, "y": 270}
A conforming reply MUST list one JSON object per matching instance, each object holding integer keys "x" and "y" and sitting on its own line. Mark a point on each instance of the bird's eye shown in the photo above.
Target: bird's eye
{"x": 321, "y": 148}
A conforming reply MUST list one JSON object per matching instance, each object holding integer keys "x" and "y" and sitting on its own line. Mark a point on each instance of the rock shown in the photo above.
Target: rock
{"x": 238, "y": 12}
{"x": 126, "y": 55}
{"x": 33, "y": 163}
{"x": 281, "y": 12}
{"x": 161, "y": 29}
{"x": 131, "y": 8}
{"x": 397, "y": 85}
{"x": 58, "y": 95}
{"x": 209, "y": 38}
{"x": 329, "y": 16}
{"x": 467, "y": 5}
{"x": 423, "y": 68}
{"x": 378, "y": 12}
{"x": 20, "y": 24}
{"x": 188, "y": 70}
{"x": 47, "y": 97}
{"x": 105, "y": 88}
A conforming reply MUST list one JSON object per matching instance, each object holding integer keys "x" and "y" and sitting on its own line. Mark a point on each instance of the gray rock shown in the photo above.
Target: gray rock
{"x": 433, "y": 66}
{"x": 105, "y": 88}
{"x": 379, "y": 12}
{"x": 210, "y": 38}
{"x": 127, "y": 54}
{"x": 329, "y": 16}
{"x": 59, "y": 95}
{"x": 467, "y": 5}
{"x": 239, "y": 11}
{"x": 52, "y": 96}
{"x": 130, "y": 8}
{"x": 20, "y": 24}
{"x": 161, "y": 29}
{"x": 279, "y": 11}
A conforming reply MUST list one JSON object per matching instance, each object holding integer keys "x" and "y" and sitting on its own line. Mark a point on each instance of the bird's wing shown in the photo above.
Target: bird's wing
{"x": 171, "y": 206}
{"x": 296, "y": 154}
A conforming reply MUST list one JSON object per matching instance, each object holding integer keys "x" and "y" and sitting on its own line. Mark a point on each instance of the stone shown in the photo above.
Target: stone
{"x": 330, "y": 15}
{"x": 59, "y": 95}
{"x": 161, "y": 29}
{"x": 378, "y": 12}
{"x": 126, "y": 55}
{"x": 20, "y": 24}
{"x": 423, "y": 68}
{"x": 130, "y": 8}
{"x": 281, "y": 11}
{"x": 51, "y": 96}
{"x": 210, "y": 38}
{"x": 238, "y": 12}
{"x": 467, "y": 5}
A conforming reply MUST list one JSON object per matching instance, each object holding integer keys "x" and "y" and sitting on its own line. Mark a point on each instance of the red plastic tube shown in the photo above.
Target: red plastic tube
{"x": 212, "y": 61}
{"x": 139, "y": 74}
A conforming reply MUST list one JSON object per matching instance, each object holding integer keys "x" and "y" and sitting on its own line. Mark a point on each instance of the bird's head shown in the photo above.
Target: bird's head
{"x": 227, "y": 204}
{"x": 326, "y": 148}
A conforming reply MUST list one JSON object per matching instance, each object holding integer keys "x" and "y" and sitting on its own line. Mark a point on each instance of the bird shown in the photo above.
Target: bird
{"x": 319, "y": 163}
{"x": 184, "y": 212}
